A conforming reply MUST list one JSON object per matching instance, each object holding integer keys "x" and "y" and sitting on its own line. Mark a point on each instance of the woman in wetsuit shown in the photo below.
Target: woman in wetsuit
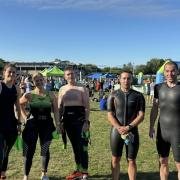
{"x": 39, "y": 124}
{"x": 9, "y": 97}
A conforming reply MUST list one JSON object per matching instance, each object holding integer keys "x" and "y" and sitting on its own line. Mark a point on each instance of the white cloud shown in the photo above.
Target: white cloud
{"x": 141, "y": 7}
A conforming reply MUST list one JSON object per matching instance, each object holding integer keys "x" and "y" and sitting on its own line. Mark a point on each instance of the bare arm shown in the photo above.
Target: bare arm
{"x": 60, "y": 104}
{"x": 153, "y": 116}
{"x": 85, "y": 97}
{"x": 25, "y": 99}
{"x": 17, "y": 106}
{"x": 138, "y": 119}
{"x": 86, "y": 102}
{"x": 54, "y": 106}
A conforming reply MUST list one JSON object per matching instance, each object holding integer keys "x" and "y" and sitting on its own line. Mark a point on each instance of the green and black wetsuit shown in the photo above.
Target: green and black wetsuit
{"x": 39, "y": 123}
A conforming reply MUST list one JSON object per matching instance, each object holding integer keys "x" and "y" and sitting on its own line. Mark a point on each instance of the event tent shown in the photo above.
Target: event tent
{"x": 108, "y": 75}
{"x": 95, "y": 76}
{"x": 55, "y": 71}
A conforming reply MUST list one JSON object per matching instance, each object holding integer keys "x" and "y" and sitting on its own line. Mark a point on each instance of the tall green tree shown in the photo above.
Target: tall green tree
{"x": 153, "y": 65}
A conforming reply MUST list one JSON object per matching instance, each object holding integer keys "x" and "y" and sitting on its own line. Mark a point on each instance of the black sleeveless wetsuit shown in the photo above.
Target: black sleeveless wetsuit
{"x": 8, "y": 123}
{"x": 168, "y": 133}
{"x": 125, "y": 107}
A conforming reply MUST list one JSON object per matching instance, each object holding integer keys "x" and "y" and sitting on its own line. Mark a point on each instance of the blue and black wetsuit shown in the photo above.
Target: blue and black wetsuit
{"x": 73, "y": 119}
{"x": 168, "y": 133}
{"x": 8, "y": 123}
{"x": 125, "y": 107}
{"x": 40, "y": 123}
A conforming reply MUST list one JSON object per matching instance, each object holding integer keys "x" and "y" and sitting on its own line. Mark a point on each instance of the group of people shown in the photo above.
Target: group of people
{"x": 126, "y": 110}
{"x": 71, "y": 114}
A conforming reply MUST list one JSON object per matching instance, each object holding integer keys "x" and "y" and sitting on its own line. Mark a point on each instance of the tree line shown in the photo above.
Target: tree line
{"x": 151, "y": 67}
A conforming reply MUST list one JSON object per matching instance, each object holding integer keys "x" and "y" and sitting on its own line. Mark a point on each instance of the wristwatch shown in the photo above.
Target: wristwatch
{"x": 130, "y": 127}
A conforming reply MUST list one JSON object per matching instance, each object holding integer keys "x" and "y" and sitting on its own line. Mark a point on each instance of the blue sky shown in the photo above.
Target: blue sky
{"x": 101, "y": 32}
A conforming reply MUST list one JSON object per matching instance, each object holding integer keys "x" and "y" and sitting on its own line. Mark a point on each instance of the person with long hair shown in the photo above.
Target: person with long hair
{"x": 9, "y": 115}
{"x": 39, "y": 123}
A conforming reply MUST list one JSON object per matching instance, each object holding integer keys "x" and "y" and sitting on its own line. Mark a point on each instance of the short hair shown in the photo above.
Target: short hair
{"x": 172, "y": 63}
{"x": 68, "y": 68}
{"x": 37, "y": 74}
{"x": 125, "y": 71}
{"x": 6, "y": 66}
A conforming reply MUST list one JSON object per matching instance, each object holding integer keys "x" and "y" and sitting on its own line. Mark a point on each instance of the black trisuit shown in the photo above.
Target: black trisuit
{"x": 125, "y": 107}
{"x": 8, "y": 123}
{"x": 168, "y": 133}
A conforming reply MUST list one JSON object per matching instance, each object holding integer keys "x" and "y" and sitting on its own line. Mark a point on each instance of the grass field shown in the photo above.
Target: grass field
{"x": 62, "y": 162}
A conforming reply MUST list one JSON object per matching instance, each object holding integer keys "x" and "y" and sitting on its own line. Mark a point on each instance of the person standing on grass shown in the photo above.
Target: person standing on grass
{"x": 73, "y": 103}
{"x": 9, "y": 123}
{"x": 126, "y": 109}
{"x": 39, "y": 123}
{"x": 167, "y": 99}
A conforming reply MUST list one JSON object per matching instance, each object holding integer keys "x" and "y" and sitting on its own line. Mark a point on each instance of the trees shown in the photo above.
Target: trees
{"x": 2, "y": 61}
{"x": 151, "y": 66}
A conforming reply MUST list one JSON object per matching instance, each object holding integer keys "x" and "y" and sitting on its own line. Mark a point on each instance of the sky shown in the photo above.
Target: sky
{"x": 101, "y": 32}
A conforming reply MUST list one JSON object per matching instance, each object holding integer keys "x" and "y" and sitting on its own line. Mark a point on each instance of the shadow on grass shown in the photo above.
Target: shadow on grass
{"x": 94, "y": 109}
{"x": 140, "y": 176}
{"x": 56, "y": 178}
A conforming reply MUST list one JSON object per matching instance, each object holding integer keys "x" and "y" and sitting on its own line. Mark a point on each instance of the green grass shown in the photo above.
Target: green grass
{"x": 62, "y": 161}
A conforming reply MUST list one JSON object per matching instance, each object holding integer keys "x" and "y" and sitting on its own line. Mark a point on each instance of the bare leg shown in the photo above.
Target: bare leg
{"x": 115, "y": 167}
{"x": 178, "y": 168}
{"x": 164, "y": 168}
{"x": 25, "y": 177}
{"x": 132, "y": 169}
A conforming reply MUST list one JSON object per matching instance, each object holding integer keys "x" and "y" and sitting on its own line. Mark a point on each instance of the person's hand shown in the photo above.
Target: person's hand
{"x": 86, "y": 126}
{"x": 123, "y": 130}
{"x": 151, "y": 132}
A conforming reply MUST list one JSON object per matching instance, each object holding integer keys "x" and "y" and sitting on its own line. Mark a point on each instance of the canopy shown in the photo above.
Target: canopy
{"x": 140, "y": 78}
{"x": 95, "y": 76}
{"x": 108, "y": 75}
{"x": 55, "y": 71}
{"x": 44, "y": 70}
{"x": 160, "y": 74}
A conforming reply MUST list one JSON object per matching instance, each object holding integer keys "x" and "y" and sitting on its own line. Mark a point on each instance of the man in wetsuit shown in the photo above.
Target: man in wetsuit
{"x": 167, "y": 99}
{"x": 126, "y": 109}
{"x": 73, "y": 103}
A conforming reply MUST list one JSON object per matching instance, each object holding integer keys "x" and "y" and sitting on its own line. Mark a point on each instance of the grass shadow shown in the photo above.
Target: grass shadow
{"x": 56, "y": 178}
{"x": 94, "y": 109}
{"x": 140, "y": 176}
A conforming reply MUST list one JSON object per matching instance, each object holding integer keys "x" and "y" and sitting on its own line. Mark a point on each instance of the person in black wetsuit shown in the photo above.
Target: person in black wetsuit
{"x": 126, "y": 109}
{"x": 9, "y": 98}
{"x": 39, "y": 123}
{"x": 167, "y": 99}
{"x": 73, "y": 103}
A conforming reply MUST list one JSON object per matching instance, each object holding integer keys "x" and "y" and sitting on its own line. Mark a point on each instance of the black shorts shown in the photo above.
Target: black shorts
{"x": 117, "y": 144}
{"x": 167, "y": 141}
